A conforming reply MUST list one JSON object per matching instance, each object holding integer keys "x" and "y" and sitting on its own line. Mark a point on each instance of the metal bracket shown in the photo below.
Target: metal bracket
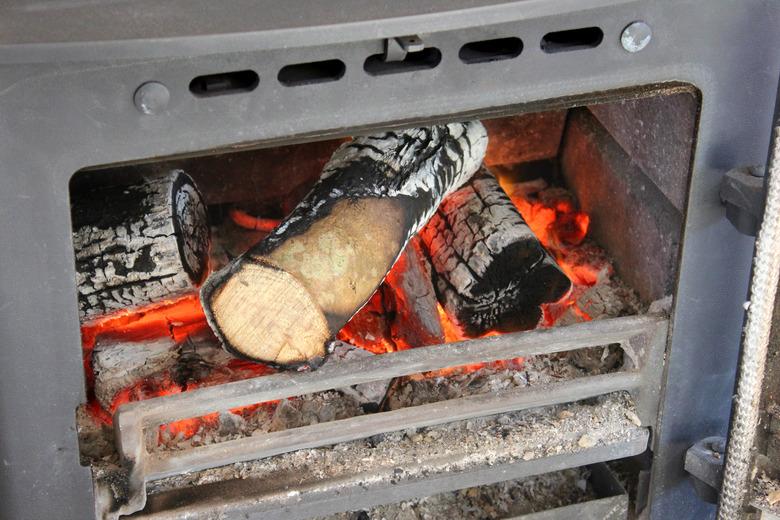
{"x": 704, "y": 463}
{"x": 396, "y": 49}
{"x": 743, "y": 192}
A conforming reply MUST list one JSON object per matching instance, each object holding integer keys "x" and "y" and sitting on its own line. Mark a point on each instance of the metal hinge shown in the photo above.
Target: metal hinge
{"x": 396, "y": 49}
{"x": 743, "y": 191}
{"x": 704, "y": 463}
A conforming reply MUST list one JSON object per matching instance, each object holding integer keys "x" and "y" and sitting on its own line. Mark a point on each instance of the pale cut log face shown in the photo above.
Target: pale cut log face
{"x": 295, "y": 336}
{"x": 342, "y": 257}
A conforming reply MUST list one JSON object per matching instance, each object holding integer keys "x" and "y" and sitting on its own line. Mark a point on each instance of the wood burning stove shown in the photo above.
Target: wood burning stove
{"x": 638, "y": 121}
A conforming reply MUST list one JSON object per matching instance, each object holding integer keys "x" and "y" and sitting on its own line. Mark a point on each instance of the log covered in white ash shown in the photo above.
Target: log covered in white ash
{"x": 120, "y": 365}
{"x": 283, "y": 299}
{"x": 117, "y": 366}
{"x": 138, "y": 243}
{"x": 491, "y": 271}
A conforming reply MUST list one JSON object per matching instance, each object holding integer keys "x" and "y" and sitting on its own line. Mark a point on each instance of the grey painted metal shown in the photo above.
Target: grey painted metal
{"x": 66, "y": 102}
{"x": 251, "y": 498}
{"x": 642, "y": 338}
{"x": 743, "y": 192}
{"x": 755, "y": 345}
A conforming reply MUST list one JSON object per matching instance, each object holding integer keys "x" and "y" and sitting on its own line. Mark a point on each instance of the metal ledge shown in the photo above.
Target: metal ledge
{"x": 642, "y": 338}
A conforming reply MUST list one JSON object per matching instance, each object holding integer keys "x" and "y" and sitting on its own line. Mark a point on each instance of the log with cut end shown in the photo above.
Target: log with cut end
{"x": 284, "y": 298}
{"x": 492, "y": 273}
{"x": 411, "y": 298}
{"x": 138, "y": 244}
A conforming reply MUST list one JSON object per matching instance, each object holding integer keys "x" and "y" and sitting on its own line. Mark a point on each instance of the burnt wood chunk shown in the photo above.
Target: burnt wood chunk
{"x": 284, "y": 298}
{"x": 492, "y": 273}
{"x": 411, "y": 298}
{"x": 139, "y": 243}
{"x": 121, "y": 365}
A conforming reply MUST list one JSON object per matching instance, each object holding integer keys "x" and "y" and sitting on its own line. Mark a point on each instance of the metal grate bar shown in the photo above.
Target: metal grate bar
{"x": 641, "y": 337}
{"x": 360, "y": 427}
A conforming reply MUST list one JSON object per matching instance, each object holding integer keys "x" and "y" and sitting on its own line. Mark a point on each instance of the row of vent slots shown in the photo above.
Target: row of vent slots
{"x": 332, "y": 70}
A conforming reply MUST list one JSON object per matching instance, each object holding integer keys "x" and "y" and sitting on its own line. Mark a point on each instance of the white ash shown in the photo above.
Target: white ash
{"x": 610, "y": 298}
{"x": 288, "y": 413}
{"x": 495, "y": 501}
{"x": 460, "y": 445}
{"x": 369, "y": 395}
{"x": 96, "y": 440}
{"x": 766, "y": 493}
{"x": 496, "y": 377}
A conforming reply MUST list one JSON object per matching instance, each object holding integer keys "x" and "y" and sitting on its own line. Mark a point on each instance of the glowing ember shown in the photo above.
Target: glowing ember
{"x": 245, "y": 220}
{"x": 369, "y": 330}
{"x": 177, "y": 319}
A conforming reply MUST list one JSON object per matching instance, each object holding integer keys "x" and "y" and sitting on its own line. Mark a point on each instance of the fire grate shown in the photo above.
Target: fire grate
{"x": 642, "y": 339}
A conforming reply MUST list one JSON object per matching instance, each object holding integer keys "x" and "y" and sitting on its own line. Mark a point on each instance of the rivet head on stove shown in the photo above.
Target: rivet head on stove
{"x": 636, "y": 36}
{"x": 151, "y": 97}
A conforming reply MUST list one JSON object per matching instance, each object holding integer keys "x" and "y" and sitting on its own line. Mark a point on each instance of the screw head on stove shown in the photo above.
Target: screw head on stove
{"x": 636, "y": 36}
{"x": 151, "y": 97}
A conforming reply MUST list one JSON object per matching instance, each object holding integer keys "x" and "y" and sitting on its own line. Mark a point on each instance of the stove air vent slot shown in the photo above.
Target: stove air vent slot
{"x": 491, "y": 50}
{"x": 427, "y": 58}
{"x": 310, "y": 73}
{"x": 224, "y": 83}
{"x": 572, "y": 40}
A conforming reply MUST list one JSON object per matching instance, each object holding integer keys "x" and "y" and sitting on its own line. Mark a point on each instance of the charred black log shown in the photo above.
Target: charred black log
{"x": 492, "y": 273}
{"x": 281, "y": 301}
{"x": 138, "y": 244}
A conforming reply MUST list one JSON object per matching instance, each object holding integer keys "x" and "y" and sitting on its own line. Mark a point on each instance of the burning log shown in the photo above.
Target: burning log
{"x": 280, "y": 301}
{"x": 120, "y": 365}
{"x": 197, "y": 359}
{"x": 410, "y": 294}
{"x": 138, "y": 244}
{"x": 492, "y": 273}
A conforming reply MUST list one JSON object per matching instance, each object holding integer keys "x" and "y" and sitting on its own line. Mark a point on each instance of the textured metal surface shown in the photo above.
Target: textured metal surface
{"x": 750, "y": 380}
{"x": 642, "y": 338}
{"x": 68, "y": 104}
{"x": 630, "y": 216}
{"x": 657, "y": 134}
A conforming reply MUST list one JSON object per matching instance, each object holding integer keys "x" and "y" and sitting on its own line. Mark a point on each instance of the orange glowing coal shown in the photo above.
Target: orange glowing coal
{"x": 245, "y": 220}
{"x": 175, "y": 318}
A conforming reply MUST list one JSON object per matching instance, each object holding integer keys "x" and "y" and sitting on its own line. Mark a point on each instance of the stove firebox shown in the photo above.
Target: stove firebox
{"x": 608, "y": 152}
